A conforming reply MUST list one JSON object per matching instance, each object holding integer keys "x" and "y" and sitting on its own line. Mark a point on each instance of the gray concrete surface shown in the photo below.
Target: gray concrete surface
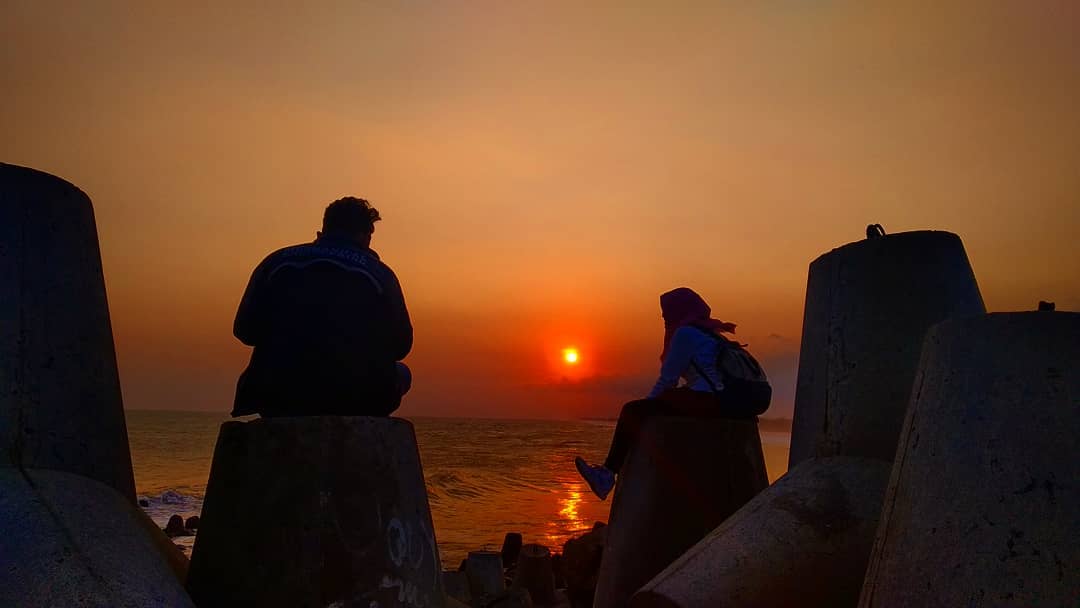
{"x": 868, "y": 305}
{"x": 316, "y": 510}
{"x": 683, "y": 478}
{"x": 804, "y": 541}
{"x": 60, "y": 405}
{"x": 67, "y": 540}
{"x": 983, "y": 508}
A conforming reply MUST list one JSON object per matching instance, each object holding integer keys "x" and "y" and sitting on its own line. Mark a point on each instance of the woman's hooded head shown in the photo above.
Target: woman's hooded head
{"x": 683, "y": 306}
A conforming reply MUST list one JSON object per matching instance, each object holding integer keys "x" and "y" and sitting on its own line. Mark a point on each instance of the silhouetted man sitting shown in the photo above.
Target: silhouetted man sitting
{"x": 328, "y": 323}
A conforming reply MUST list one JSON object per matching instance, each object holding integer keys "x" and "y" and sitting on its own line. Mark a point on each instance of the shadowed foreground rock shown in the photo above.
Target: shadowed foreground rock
{"x": 534, "y": 574}
{"x": 484, "y": 570}
{"x": 682, "y": 478}
{"x": 581, "y": 557}
{"x": 316, "y": 511}
{"x": 982, "y": 508}
{"x": 795, "y": 544}
{"x": 456, "y": 586}
{"x": 60, "y": 405}
{"x": 868, "y": 306}
{"x": 66, "y": 540}
{"x": 511, "y": 547}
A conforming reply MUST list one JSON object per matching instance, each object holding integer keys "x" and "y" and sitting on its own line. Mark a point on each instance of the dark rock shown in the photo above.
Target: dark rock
{"x": 510, "y": 548}
{"x": 534, "y": 573}
{"x": 558, "y": 569}
{"x": 511, "y": 598}
{"x": 561, "y": 600}
{"x": 192, "y": 523}
{"x": 581, "y": 559}
{"x": 144, "y": 502}
{"x": 175, "y": 527}
{"x": 456, "y": 585}
{"x": 485, "y": 573}
{"x": 176, "y": 524}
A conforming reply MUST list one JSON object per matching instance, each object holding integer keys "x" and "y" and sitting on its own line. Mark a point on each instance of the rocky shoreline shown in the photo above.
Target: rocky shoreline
{"x": 521, "y": 575}
{"x": 526, "y": 574}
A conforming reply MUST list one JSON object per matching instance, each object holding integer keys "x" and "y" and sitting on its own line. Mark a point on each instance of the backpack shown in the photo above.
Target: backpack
{"x": 745, "y": 384}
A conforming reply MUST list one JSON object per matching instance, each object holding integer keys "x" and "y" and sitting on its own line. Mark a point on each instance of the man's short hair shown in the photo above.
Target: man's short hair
{"x": 349, "y": 216}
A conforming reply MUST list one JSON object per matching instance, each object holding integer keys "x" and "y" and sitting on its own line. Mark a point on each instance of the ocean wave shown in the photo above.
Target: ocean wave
{"x": 170, "y": 497}
{"x": 170, "y": 502}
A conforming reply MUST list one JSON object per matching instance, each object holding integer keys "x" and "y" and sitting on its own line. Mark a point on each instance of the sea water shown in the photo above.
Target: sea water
{"x": 484, "y": 477}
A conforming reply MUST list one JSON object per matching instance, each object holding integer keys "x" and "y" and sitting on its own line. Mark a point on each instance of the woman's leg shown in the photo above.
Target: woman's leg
{"x": 628, "y": 427}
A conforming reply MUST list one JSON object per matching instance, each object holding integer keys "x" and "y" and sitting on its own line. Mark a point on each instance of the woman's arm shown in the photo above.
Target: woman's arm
{"x": 680, "y": 351}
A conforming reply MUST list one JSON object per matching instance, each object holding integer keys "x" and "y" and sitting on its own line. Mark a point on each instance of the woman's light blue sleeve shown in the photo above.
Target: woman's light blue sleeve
{"x": 677, "y": 360}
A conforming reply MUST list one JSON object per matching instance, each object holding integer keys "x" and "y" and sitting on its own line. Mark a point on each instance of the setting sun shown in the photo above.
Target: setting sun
{"x": 570, "y": 355}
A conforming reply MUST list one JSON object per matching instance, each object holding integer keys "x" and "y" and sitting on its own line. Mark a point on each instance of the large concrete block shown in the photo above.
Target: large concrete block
{"x": 316, "y": 511}
{"x": 535, "y": 574}
{"x": 804, "y": 541}
{"x": 682, "y": 478}
{"x": 868, "y": 305}
{"x": 66, "y": 540}
{"x": 60, "y": 404}
{"x": 484, "y": 571}
{"x": 982, "y": 507}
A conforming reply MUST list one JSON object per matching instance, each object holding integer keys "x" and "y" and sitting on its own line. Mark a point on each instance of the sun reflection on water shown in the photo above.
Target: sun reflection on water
{"x": 570, "y": 507}
{"x": 570, "y": 519}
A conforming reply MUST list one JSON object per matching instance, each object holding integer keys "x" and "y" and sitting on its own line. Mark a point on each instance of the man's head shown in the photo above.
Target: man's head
{"x": 352, "y": 218}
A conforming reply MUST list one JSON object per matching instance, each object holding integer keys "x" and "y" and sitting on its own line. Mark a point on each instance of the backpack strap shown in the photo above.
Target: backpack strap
{"x": 722, "y": 342}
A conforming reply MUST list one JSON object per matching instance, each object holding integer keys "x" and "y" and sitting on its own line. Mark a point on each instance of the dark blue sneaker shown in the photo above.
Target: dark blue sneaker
{"x": 599, "y": 478}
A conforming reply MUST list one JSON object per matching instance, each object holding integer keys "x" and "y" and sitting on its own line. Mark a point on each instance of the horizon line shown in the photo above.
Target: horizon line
{"x": 527, "y": 419}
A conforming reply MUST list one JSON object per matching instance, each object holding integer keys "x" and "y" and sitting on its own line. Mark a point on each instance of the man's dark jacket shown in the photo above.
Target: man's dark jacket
{"x": 328, "y": 322}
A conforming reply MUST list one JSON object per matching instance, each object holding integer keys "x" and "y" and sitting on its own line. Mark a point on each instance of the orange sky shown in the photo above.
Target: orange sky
{"x": 544, "y": 171}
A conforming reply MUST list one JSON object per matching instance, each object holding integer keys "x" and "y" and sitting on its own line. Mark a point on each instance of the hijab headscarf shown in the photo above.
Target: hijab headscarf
{"x": 683, "y": 306}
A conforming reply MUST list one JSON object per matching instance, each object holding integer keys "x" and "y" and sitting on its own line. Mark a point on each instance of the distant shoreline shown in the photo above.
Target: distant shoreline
{"x": 766, "y": 424}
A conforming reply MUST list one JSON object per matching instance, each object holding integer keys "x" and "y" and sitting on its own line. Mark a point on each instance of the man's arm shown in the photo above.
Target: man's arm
{"x": 248, "y": 325}
{"x": 399, "y": 331}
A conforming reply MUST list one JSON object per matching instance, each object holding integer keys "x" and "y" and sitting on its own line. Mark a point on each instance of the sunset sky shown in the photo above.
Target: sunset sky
{"x": 544, "y": 170}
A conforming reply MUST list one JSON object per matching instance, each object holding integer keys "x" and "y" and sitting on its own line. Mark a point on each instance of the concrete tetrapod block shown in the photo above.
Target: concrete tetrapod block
{"x": 981, "y": 508}
{"x": 535, "y": 574}
{"x": 868, "y": 306}
{"x": 60, "y": 404}
{"x": 682, "y": 478}
{"x": 804, "y": 541}
{"x": 67, "y": 540}
{"x": 484, "y": 569}
{"x": 316, "y": 511}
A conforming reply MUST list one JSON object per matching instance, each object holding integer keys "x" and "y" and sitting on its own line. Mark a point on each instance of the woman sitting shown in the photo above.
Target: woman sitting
{"x": 692, "y": 350}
